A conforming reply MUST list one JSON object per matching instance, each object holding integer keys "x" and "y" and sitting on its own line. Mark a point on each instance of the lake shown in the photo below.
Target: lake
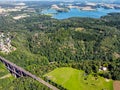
{"x": 79, "y": 13}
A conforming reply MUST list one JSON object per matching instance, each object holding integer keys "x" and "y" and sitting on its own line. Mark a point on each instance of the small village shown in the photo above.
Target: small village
{"x": 5, "y": 43}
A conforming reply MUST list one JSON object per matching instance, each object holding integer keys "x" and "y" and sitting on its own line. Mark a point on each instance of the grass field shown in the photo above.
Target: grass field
{"x": 5, "y": 77}
{"x": 73, "y": 79}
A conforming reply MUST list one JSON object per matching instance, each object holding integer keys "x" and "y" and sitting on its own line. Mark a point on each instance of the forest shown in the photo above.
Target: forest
{"x": 43, "y": 44}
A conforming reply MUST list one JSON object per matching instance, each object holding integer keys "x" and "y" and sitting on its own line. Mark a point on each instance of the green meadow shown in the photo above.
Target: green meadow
{"x": 73, "y": 79}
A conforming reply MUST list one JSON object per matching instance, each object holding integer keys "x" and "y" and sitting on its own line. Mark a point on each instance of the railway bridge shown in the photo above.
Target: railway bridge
{"x": 20, "y": 72}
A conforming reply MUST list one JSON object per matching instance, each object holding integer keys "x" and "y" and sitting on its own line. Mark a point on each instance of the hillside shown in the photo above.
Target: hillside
{"x": 43, "y": 44}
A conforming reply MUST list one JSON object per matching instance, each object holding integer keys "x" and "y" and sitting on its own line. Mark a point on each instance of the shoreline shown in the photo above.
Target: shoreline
{"x": 75, "y": 12}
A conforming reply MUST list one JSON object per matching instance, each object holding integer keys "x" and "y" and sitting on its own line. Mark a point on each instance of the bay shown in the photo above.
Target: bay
{"x": 74, "y": 12}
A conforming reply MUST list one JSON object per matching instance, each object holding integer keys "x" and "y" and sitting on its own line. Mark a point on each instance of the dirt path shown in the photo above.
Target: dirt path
{"x": 6, "y": 76}
{"x": 116, "y": 85}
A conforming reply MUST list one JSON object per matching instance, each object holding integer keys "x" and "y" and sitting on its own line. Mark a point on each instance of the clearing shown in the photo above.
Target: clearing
{"x": 73, "y": 79}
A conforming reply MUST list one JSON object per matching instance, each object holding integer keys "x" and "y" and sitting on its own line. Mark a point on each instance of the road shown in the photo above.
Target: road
{"x": 29, "y": 74}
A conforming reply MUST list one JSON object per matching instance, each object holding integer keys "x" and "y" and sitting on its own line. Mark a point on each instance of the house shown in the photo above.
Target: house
{"x": 102, "y": 68}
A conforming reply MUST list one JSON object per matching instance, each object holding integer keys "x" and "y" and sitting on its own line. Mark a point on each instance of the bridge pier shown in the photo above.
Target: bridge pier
{"x": 14, "y": 71}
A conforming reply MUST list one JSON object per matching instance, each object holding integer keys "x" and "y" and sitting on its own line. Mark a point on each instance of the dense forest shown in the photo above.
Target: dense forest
{"x": 43, "y": 44}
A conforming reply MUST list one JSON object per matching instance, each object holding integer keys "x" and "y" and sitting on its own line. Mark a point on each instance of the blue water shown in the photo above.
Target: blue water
{"x": 79, "y": 13}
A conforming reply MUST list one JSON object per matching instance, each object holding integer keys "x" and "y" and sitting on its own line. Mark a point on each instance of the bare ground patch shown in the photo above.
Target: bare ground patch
{"x": 116, "y": 85}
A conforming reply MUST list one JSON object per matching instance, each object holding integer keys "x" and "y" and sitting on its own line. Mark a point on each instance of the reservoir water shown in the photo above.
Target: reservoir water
{"x": 79, "y": 13}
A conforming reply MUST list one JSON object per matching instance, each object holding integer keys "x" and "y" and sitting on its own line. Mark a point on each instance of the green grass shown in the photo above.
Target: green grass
{"x": 4, "y": 82}
{"x": 73, "y": 79}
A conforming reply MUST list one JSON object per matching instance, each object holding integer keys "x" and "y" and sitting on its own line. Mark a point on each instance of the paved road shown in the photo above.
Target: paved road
{"x": 29, "y": 74}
